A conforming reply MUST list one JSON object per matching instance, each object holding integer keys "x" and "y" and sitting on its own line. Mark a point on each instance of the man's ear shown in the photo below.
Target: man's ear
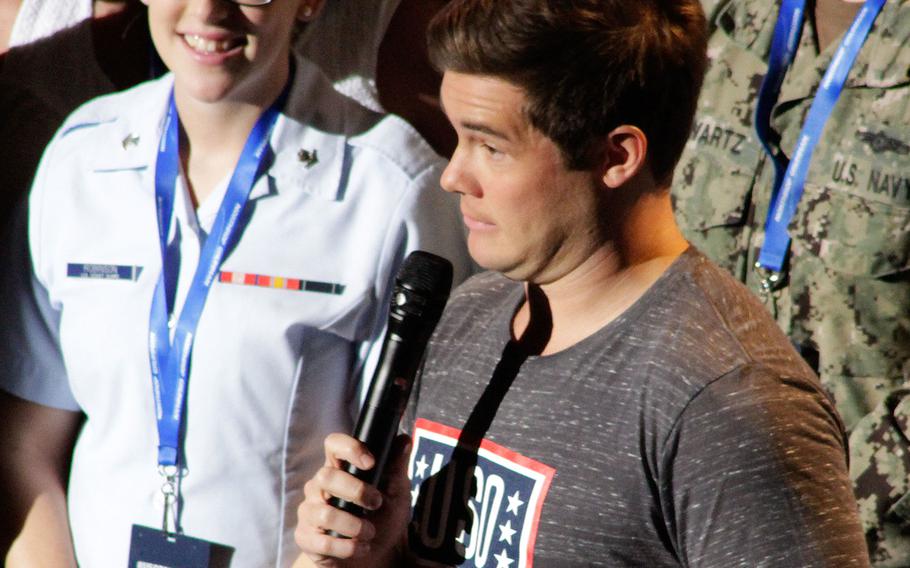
{"x": 308, "y": 10}
{"x": 624, "y": 155}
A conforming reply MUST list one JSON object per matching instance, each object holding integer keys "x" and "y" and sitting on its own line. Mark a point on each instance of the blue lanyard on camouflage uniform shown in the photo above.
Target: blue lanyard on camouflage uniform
{"x": 790, "y": 178}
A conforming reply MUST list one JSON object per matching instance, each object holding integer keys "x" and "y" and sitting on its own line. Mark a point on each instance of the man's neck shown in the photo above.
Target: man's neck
{"x": 610, "y": 280}
{"x": 832, "y": 18}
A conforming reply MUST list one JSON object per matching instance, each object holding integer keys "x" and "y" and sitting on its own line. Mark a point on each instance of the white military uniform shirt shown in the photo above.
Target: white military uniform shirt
{"x": 274, "y": 369}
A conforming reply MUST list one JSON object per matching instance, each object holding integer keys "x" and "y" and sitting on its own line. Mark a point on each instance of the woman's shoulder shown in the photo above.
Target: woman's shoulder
{"x": 399, "y": 143}
{"x": 114, "y": 132}
{"x": 314, "y": 103}
{"x": 136, "y": 102}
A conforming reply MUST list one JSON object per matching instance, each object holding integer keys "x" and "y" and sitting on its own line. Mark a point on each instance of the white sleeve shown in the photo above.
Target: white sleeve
{"x": 432, "y": 220}
{"x": 31, "y": 362}
{"x": 427, "y": 219}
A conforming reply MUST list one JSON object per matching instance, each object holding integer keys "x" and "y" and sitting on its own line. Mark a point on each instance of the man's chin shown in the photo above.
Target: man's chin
{"x": 509, "y": 268}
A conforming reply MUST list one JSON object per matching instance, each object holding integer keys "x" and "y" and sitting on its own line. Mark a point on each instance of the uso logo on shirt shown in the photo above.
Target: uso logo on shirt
{"x": 473, "y": 507}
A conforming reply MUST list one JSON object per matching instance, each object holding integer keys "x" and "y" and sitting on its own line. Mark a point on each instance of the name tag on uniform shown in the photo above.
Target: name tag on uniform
{"x": 152, "y": 548}
{"x": 103, "y": 271}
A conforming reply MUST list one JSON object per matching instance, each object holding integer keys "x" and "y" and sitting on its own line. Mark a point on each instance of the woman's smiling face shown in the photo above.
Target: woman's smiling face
{"x": 222, "y": 51}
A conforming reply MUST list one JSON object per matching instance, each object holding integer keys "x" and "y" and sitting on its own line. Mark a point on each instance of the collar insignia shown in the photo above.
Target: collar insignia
{"x": 130, "y": 140}
{"x": 308, "y": 157}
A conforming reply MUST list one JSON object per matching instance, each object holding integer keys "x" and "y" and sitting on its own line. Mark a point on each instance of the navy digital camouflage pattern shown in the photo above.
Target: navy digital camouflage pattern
{"x": 845, "y": 298}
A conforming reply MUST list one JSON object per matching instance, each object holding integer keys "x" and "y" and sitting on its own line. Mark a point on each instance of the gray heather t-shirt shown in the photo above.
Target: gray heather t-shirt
{"x": 685, "y": 433}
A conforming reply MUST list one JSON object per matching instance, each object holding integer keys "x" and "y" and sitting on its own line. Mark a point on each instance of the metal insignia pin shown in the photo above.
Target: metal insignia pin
{"x": 130, "y": 140}
{"x": 308, "y": 157}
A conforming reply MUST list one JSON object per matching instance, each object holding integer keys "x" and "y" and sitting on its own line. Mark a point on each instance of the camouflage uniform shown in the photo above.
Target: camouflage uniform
{"x": 845, "y": 299}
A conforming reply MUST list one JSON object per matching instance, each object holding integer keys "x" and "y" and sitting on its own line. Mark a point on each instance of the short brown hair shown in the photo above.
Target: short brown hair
{"x": 586, "y": 66}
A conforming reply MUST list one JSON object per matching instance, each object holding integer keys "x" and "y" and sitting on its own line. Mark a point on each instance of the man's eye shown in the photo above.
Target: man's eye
{"x": 490, "y": 149}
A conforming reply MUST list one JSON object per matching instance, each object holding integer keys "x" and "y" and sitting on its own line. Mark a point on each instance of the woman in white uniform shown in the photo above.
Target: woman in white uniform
{"x": 205, "y": 281}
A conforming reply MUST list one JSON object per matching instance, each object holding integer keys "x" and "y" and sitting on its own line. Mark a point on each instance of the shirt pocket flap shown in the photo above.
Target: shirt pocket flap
{"x": 855, "y": 211}
{"x": 852, "y": 234}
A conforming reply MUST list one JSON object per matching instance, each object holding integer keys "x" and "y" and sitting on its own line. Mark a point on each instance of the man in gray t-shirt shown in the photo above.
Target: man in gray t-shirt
{"x": 604, "y": 396}
{"x": 685, "y": 432}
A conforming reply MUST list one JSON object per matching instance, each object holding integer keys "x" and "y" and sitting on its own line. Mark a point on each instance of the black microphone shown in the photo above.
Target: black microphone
{"x": 421, "y": 291}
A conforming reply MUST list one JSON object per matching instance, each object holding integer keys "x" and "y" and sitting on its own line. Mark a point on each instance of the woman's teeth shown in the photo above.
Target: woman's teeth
{"x": 208, "y": 45}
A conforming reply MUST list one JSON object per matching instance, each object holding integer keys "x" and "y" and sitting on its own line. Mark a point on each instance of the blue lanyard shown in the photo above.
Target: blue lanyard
{"x": 170, "y": 359}
{"x": 790, "y": 178}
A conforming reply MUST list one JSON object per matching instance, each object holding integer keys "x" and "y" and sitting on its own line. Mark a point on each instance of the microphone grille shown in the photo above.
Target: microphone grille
{"x": 427, "y": 275}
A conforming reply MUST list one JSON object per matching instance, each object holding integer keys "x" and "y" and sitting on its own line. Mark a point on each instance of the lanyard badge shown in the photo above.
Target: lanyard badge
{"x": 790, "y": 178}
{"x": 169, "y": 356}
